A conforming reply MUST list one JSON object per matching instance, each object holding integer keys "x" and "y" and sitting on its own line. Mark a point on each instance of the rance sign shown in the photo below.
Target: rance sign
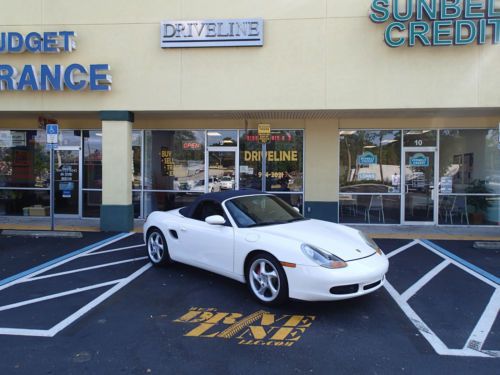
{"x": 438, "y": 22}
{"x": 74, "y": 77}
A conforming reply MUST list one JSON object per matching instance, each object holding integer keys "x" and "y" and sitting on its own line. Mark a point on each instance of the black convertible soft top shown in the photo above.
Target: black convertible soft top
{"x": 220, "y": 197}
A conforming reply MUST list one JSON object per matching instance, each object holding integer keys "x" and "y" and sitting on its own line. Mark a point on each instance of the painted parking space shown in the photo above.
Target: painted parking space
{"x": 67, "y": 287}
{"x": 451, "y": 301}
{"x": 182, "y": 319}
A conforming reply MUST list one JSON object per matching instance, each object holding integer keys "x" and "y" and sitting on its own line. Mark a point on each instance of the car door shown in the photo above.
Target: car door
{"x": 204, "y": 245}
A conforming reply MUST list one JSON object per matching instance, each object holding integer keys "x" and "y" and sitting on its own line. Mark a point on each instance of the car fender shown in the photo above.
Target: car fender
{"x": 283, "y": 249}
{"x": 169, "y": 224}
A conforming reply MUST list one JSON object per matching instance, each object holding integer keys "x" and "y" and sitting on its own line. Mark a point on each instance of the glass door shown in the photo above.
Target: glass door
{"x": 67, "y": 181}
{"x": 221, "y": 171}
{"x": 419, "y": 180}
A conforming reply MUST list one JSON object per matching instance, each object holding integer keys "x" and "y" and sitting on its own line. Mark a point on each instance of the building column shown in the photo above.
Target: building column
{"x": 117, "y": 213}
{"x": 322, "y": 170}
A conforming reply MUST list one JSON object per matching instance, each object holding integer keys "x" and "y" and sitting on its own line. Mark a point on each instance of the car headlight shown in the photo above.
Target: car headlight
{"x": 321, "y": 257}
{"x": 370, "y": 242}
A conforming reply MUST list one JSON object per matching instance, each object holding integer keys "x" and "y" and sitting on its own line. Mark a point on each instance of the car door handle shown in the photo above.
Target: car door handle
{"x": 183, "y": 229}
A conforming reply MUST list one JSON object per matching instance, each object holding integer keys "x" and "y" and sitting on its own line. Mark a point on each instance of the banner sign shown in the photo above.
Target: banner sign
{"x": 419, "y": 160}
{"x": 264, "y": 132}
{"x": 367, "y": 158}
{"x": 167, "y": 162}
{"x": 212, "y": 33}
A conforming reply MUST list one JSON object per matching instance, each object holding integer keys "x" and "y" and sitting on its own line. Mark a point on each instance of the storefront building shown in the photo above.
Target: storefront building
{"x": 377, "y": 115}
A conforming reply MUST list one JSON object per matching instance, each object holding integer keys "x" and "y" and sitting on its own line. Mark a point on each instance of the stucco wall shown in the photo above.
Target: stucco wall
{"x": 317, "y": 54}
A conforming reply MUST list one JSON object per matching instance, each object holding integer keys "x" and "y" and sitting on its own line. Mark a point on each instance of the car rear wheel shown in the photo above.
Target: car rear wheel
{"x": 157, "y": 248}
{"x": 267, "y": 280}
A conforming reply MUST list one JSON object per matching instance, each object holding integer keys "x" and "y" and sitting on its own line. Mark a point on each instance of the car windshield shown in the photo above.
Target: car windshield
{"x": 259, "y": 210}
{"x": 226, "y": 178}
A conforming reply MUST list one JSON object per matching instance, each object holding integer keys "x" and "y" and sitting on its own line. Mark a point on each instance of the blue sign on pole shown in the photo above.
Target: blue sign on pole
{"x": 52, "y": 131}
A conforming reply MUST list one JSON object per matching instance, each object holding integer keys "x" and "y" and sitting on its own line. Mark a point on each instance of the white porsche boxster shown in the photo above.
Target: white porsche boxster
{"x": 258, "y": 239}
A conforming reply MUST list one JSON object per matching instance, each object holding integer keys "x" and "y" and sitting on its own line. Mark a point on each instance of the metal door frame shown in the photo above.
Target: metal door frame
{"x": 435, "y": 192}
{"x": 235, "y": 150}
{"x": 80, "y": 180}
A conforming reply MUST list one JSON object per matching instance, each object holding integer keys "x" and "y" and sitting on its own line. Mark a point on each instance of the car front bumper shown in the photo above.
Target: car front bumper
{"x": 315, "y": 283}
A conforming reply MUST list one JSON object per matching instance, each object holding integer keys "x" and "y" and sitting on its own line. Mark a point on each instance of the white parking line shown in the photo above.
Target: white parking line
{"x": 45, "y": 269}
{"x": 31, "y": 277}
{"x": 57, "y": 295}
{"x": 70, "y": 319}
{"x": 83, "y": 269}
{"x": 461, "y": 266}
{"x": 485, "y": 323}
{"x": 424, "y": 280}
{"x": 402, "y": 248}
{"x": 474, "y": 344}
{"x": 113, "y": 250}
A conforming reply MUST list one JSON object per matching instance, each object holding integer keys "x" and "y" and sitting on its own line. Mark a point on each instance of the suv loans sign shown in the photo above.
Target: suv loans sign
{"x": 212, "y": 33}
{"x": 74, "y": 77}
{"x": 438, "y": 22}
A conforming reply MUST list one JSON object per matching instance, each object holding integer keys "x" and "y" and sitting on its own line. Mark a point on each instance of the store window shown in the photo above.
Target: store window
{"x": 174, "y": 162}
{"x": 24, "y": 159}
{"x": 222, "y": 138}
{"x": 469, "y": 177}
{"x": 370, "y": 170}
{"x": 92, "y": 159}
{"x": 92, "y": 172}
{"x": 420, "y": 138}
{"x": 24, "y": 173}
{"x": 284, "y": 164}
{"x": 136, "y": 159}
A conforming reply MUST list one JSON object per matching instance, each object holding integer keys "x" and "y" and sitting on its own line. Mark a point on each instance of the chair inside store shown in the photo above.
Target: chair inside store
{"x": 459, "y": 209}
{"x": 376, "y": 205}
{"x": 362, "y": 206}
{"x": 348, "y": 205}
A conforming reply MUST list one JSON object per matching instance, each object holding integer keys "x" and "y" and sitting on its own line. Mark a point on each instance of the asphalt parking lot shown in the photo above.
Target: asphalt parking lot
{"x": 95, "y": 305}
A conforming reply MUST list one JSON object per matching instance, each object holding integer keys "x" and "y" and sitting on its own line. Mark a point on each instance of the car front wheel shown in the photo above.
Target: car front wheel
{"x": 157, "y": 248}
{"x": 267, "y": 280}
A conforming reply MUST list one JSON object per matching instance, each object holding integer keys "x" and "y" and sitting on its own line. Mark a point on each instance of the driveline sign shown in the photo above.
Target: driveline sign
{"x": 212, "y": 33}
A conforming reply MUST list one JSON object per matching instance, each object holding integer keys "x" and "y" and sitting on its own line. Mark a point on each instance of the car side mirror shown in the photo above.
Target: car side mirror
{"x": 215, "y": 220}
{"x": 296, "y": 209}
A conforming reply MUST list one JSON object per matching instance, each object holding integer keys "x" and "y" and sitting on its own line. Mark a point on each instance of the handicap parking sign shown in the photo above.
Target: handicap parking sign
{"x": 52, "y": 131}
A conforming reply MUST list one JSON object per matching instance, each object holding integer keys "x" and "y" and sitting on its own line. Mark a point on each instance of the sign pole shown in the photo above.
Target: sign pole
{"x": 52, "y": 132}
{"x": 52, "y": 187}
{"x": 264, "y": 132}
{"x": 264, "y": 166}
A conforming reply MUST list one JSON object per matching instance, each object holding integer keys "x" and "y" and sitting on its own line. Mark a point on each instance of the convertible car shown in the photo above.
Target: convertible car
{"x": 258, "y": 239}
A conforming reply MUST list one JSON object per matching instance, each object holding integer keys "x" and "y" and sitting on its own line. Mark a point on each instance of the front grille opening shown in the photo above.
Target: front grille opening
{"x": 372, "y": 285}
{"x": 344, "y": 289}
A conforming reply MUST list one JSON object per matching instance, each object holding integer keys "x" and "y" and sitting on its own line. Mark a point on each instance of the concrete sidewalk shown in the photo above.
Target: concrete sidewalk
{"x": 61, "y": 224}
{"x": 431, "y": 232}
{"x": 376, "y": 231}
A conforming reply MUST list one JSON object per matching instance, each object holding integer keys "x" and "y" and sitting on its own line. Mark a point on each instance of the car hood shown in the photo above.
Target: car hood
{"x": 339, "y": 240}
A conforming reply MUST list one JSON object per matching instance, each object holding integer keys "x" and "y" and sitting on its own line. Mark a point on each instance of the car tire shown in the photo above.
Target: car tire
{"x": 267, "y": 280}
{"x": 157, "y": 248}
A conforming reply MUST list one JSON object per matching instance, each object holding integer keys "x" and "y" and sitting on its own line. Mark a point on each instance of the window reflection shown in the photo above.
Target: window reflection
{"x": 136, "y": 159}
{"x": 284, "y": 163}
{"x": 469, "y": 161}
{"x": 369, "y": 208}
{"x": 24, "y": 159}
{"x": 222, "y": 138}
{"x": 92, "y": 160}
{"x": 370, "y": 161}
{"x": 175, "y": 160}
{"x": 420, "y": 138}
